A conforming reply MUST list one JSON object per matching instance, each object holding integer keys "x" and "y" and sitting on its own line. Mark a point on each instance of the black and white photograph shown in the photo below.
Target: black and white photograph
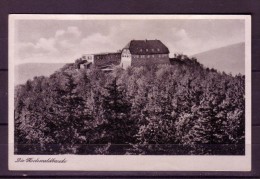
{"x": 156, "y": 92}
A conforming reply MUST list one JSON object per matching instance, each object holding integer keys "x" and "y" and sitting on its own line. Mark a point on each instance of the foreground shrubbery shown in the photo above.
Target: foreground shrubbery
{"x": 182, "y": 108}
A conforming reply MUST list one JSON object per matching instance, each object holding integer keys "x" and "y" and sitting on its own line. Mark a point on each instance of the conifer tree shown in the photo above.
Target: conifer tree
{"x": 70, "y": 116}
{"x": 118, "y": 127}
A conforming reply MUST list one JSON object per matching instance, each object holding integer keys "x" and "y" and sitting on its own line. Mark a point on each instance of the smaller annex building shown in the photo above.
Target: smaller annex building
{"x": 135, "y": 53}
{"x": 103, "y": 60}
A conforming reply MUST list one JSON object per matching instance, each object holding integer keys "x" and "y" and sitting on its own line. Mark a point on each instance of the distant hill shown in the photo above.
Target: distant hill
{"x": 26, "y": 71}
{"x": 230, "y": 59}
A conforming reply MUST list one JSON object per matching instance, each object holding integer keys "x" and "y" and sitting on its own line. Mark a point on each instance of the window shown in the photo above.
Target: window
{"x": 153, "y": 56}
{"x": 158, "y": 49}
{"x": 141, "y": 50}
{"x": 152, "y": 49}
{"x": 147, "y": 50}
{"x": 148, "y": 56}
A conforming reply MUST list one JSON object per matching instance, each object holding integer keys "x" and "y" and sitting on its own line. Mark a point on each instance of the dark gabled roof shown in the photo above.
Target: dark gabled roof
{"x": 146, "y": 47}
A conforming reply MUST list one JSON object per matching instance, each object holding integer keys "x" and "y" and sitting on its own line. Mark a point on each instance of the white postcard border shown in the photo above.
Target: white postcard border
{"x": 130, "y": 162}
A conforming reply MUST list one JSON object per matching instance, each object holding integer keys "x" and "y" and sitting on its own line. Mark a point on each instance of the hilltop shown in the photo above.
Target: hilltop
{"x": 180, "y": 108}
{"x": 229, "y": 59}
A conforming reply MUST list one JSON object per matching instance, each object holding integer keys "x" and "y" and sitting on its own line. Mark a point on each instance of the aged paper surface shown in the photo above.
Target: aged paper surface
{"x": 54, "y": 122}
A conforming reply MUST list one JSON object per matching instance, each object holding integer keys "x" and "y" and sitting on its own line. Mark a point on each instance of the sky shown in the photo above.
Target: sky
{"x": 63, "y": 41}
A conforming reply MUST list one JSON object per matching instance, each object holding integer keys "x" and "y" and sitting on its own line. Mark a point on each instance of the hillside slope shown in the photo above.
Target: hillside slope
{"x": 230, "y": 59}
{"x": 177, "y": 109}
{"x": 24, "y": 72}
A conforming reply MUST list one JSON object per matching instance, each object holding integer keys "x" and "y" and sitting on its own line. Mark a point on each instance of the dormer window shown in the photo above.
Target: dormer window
{"x": 158, "y": 49}
{"x": 147, "y": 50}
{"x": 152, "y": 49}
{"x": 141, "y": 50}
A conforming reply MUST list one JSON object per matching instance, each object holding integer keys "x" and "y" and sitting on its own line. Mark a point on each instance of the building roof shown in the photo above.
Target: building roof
{"x": 146, "y": 47}
{"x": 108, "y": 53}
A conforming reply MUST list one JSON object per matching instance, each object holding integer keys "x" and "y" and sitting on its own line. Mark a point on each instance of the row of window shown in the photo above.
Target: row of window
{"x": 123, "y": 55}
{"x": 150, "y": 56}
{"x": 146, "y": 56}
{"x": 106, "y": 57}
{"x": 153, "y": 50}
{"x": 87, "y": 57}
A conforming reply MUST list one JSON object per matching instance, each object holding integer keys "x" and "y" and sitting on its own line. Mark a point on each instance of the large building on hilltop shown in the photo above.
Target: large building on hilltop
{"x": 135, "y": 53}
{"x": 143, "y": 52}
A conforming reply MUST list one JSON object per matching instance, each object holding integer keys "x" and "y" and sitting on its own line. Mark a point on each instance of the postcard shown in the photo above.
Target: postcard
{"x": 129, "y": 92}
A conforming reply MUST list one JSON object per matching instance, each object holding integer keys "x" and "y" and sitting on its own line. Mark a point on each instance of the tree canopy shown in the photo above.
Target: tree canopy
{"x": 179, "y": 108}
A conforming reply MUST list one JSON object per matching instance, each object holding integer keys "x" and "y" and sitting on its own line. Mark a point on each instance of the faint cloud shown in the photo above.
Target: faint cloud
{"x": 62, "y": 43}
{"x": 70, "y": 42}
{"x": 59, "y": 33}
{"x": 97, "y": 43}
{"x": 179, "y": 34}
{"x": 74, "y": 30}
{"x": 46, "y": 45}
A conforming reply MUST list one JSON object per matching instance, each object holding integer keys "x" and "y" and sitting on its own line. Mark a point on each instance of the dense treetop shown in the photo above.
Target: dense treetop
{"x": 179, "y": 108}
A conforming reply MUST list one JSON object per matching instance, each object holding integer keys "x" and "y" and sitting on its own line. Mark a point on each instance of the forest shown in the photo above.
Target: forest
{"x": 181, "y": 108}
